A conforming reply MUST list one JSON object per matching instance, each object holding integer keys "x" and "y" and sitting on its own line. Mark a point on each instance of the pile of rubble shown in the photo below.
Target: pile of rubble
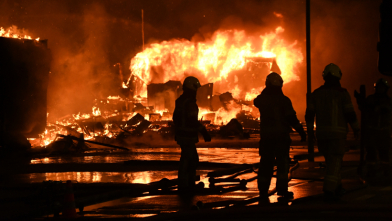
{"x": 115, "y": 120}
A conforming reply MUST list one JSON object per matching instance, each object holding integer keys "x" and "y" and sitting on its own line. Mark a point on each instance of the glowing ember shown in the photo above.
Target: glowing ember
{"x": 96, "y": 111}
{"x": 107, "y": 131}
{"x": 79, "y": 116}
{"x": 114, "y": 97}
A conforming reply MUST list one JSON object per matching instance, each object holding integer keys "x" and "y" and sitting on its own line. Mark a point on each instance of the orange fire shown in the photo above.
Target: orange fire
{"x": 215, "y": 59}
{"x": 222, "y": 115}
{"x": 13, "y": 32}
{"x": 96, "y": 112}
{"x": 221, "y": 60}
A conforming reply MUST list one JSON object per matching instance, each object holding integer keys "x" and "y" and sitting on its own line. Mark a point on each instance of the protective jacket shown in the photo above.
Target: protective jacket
{"x": 331, "y": 104}
{"x": 277, "y": 114}
{"x": 378, "y": 111}
{"x": 185, "y": 119}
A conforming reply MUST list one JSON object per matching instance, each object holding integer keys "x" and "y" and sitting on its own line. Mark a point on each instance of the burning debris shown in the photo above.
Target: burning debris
{"x": 232, "y": 65}
{"x": 232, "y": 60}
{"x": 114, "y": 120}
{"x": 163, "y": 96}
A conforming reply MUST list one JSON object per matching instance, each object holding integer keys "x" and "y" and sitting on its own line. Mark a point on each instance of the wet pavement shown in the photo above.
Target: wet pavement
{"x": 306, "y": 182}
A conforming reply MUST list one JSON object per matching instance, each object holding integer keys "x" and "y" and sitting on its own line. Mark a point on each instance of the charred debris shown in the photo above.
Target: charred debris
{"x": 114, "y": 121}
{"x": 122, "y": 120}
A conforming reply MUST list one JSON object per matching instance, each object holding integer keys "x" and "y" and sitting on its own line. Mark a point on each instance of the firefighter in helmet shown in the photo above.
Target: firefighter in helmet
{"x": 332, "y": 107}
{"x": 277, "y": 116}
{"x": 378, "y": 111}
{"x": 187, "y": 127}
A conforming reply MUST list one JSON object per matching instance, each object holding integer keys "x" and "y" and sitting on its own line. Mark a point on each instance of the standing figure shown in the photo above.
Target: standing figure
{"x": 332, "y": 107}
{"x": 187, "y": 126}
{"x": 378, "y": 113}
{"x": 277, "y": 116}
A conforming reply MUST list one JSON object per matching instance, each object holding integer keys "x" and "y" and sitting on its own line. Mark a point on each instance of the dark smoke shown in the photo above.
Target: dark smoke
{"x": 88, "y": 37}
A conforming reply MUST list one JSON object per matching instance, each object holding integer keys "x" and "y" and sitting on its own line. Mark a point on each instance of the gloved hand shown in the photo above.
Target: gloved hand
{"x": 206, "y": 135}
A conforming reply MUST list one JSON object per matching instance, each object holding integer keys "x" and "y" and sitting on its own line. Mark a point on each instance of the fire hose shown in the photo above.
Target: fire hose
{"x": 228, "y": 203}
{"x": 93, "y": 142}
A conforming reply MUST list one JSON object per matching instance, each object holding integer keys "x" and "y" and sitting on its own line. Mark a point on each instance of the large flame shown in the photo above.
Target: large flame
{"x": 222, "y": 60}
{"x": 14, "y": 32}
{"x": 213, "y": 60}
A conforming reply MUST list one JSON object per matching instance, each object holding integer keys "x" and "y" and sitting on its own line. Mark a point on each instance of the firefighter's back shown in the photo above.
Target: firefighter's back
{"x": 330, "y": 104}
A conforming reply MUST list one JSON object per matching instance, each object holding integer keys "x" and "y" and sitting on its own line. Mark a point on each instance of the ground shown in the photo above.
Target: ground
{"x": 110, "y": 183}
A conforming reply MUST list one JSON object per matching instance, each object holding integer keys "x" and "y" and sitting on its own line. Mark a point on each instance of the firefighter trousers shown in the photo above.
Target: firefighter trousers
{"x": 271, "y": 151}
{"x": 188, "y": 165}
{"x": 333, "y": 152}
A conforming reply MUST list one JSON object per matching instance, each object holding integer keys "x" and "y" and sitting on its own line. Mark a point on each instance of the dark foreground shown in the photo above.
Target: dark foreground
{"x": 117, "y": 185}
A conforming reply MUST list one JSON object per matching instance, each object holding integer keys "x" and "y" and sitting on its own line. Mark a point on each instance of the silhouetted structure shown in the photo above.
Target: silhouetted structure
{"x": 384, "y": 46}
{"x": 204, "y": 96}
{"x": 24, "y": 71}
{"x": 163, "y": 96}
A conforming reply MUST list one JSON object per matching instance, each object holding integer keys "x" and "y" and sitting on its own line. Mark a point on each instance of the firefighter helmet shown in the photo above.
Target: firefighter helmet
{"x": 332, "y": 70}
{"x": 191, "y": 83}
{"x": 382, "y": 82}
{"x": 274, "y": 79}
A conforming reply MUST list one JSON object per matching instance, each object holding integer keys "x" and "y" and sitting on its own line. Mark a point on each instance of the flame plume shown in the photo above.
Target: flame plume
{"x": 214, "y": 60}
{"x": 14, "y": 32}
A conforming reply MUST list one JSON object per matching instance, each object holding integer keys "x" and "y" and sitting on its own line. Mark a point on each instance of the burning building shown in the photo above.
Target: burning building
{"x": 231, "y": 61}
{"x": 231, "y": 65}
{"x": 24, "y": 71}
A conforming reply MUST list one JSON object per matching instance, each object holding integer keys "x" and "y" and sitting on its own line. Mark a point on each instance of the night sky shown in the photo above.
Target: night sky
{"x": 87, "y": 37}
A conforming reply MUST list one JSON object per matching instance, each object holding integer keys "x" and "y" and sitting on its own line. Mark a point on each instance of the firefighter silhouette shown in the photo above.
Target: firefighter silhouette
{"x": 378, "y": 111}
{"x": 277, "y": 116}
{"x": 187, "y": 127}
{"x": 332, "y": 107}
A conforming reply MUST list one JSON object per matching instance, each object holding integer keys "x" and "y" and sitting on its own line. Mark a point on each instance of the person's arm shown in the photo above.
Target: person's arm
{"x": 349, "y": 113}
{"x": 292, "y": 119}
{"x": 257, "y": 101}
